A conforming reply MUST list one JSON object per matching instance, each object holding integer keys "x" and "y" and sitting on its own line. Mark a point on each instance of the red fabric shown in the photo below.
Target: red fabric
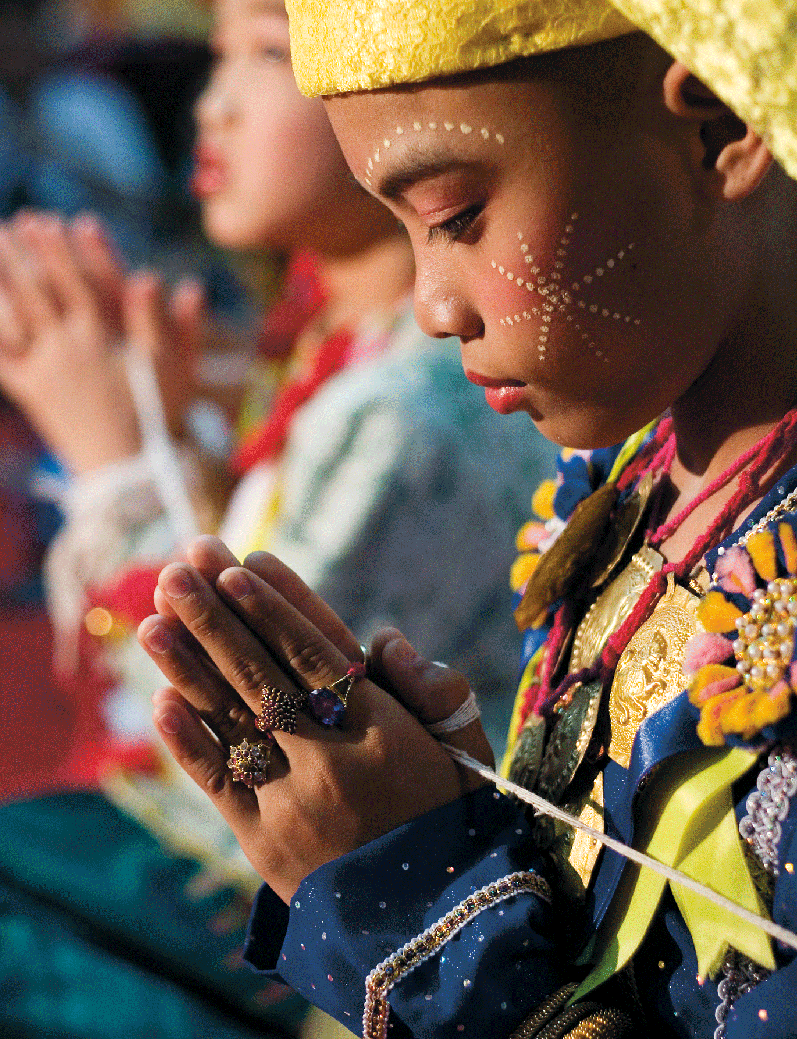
{"x": 267, "y": 440}
{"x": 52, "y": 731}
{"x": 21, "y": 550}
{"x": 302, "y": 298}
{"x": 128, "y": 595}
{"x": 52, "y": 735}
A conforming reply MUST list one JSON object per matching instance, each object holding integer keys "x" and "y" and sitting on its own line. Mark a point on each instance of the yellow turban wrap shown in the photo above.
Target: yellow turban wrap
{"x": 745, "y": 50}
{"x": 340, "y": 45}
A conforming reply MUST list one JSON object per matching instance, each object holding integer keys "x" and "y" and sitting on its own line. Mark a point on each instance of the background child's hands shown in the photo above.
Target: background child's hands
{"x": 223, "y": 632}
{"x": 66, "y": 307}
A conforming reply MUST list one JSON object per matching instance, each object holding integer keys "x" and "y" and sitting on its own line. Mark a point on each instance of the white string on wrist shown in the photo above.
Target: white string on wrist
{"x": 158, "y": 446}
{"x": 545, "y": 807}
{"x": 465, "y": 714}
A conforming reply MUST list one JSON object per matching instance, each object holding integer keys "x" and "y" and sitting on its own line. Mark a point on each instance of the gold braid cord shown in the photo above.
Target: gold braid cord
{"x": 390, "y": 971}
{"x": 587, "y": 1019}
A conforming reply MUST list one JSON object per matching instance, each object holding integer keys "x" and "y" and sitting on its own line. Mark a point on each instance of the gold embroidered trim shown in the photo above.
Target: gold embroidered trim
{"x": 390, "y": 971}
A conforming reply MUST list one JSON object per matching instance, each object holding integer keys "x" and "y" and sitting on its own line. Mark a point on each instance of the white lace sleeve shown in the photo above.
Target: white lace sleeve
{"x": 112, "y": 517}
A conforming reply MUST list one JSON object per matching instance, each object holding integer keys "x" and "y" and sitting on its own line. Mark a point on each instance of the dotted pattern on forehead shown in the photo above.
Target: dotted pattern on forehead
{"x": 554, "y": 298}
{"x": 416, "y": 127}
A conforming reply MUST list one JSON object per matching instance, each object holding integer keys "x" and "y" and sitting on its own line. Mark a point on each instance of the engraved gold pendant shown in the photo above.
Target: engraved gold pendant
{"x": 585, "y": 848}
{"x": 574, "y": 851}
{"x": 569, "y": 740}
{"x": 612, "y": 606}
{"x": 563, "y": 565}
{"x": 527, "y": 755}
{"x": 649, "y": 673}
{"x": 621, "y": 531}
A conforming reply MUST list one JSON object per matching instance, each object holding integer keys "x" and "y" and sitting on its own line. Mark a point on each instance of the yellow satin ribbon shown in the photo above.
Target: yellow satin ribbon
{"x": 693, "y": 828}
{"x": 629, "y": 449}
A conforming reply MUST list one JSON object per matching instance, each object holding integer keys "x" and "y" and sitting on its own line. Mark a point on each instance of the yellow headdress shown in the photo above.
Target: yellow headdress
{"x": 745, "y": 50}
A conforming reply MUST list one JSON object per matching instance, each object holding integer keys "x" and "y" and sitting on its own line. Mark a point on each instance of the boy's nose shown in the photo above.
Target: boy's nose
{"x": 442, "y": 308}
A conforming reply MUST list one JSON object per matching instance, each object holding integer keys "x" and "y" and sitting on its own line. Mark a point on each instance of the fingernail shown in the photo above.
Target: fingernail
{"x": 236, "y": 583}
{"x": 176, "y": 583}
{"x": 159, "y": 639}
{"x": 168, "y": 720}
{"x": 400, "y": 650}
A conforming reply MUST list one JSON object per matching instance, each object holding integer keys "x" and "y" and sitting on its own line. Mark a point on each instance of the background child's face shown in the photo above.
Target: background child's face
{"x": 266, "y": 158}
{"x": 563, "y": 235}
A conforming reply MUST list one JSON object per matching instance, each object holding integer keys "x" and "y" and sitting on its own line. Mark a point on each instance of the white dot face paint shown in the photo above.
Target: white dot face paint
{"x": 549, "y": 297}
{"x": 402, "y": 131}
{"x": 558, "y": 300}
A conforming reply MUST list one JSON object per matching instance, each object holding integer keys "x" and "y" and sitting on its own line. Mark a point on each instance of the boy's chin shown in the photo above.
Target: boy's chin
{"x": 581, "y": 429}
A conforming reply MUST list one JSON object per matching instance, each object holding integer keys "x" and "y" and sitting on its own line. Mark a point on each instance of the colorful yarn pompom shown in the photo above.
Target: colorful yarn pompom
{"x": 542, "y": 499}
{"x": 522, "y": 569}
{"x": 742, "y": 664}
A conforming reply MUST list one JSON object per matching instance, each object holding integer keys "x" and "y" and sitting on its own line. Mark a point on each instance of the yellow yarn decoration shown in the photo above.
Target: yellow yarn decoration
{"x": 761, "y": 547}
{"x": 522, "y": 569}
{"x": 716, "y": 614}
{"x": 542, "y": 499}
{"x": 788, "y": 543}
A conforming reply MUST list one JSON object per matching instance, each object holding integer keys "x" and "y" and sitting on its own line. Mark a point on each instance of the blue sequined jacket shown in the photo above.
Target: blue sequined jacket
{"x": 486, "y": 976}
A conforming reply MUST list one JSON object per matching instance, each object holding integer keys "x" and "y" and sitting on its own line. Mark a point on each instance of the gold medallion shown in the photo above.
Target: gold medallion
{"x": 574, "y": 852}
{"x": 623, "y": 527}
{"x": 563, "y": 565}
{"x": 569, "y": 740}
{"x": 585, "y": 848}
{"x": 527, "y": 754}
{"x": 612, "y": 607}
{"x": 649, "y": 673}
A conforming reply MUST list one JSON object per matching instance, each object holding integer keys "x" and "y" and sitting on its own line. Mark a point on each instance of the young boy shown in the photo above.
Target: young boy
{"x": 610, "y": 242}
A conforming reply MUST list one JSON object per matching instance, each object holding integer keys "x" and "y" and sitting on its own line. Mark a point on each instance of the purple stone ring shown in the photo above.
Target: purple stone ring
{"x": 328, "y": 704}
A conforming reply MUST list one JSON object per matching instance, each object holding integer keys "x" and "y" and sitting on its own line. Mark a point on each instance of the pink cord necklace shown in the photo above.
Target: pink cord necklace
{"x": 750, "y": 467}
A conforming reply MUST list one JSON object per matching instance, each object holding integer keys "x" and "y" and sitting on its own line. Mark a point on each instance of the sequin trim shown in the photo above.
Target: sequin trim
{"x": 740, "y": 975}
{"x": 767, "y": 807}
{"x": 390, "y": 971}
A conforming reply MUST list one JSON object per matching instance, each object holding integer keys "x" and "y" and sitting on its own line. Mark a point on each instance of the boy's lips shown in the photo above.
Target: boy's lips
{"x": 210, "y": 172}
{"x": 503, "y": 395}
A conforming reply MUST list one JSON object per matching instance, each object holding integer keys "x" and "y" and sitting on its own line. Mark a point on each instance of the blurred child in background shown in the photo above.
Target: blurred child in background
{"x": 364, "y": 461}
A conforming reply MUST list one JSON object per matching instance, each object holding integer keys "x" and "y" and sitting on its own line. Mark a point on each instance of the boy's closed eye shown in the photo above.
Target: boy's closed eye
{"x": 457, "y": 227}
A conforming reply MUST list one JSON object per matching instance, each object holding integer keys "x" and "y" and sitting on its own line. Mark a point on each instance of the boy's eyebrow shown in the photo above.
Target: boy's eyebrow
{"x": 416, "y": 165}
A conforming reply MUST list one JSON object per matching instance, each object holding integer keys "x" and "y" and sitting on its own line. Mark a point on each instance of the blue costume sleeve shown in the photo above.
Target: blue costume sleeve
{"x": 354, "y": 912}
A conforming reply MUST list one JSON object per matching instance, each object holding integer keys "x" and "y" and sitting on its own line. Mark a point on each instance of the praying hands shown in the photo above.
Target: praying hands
{"x": 242, "y": 645}
{"x": 68, "y": 310}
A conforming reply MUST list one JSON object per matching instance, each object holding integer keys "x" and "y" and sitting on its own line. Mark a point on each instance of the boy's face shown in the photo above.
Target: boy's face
{"x": 565, "y": 239}
{"x": 265, "y": 155}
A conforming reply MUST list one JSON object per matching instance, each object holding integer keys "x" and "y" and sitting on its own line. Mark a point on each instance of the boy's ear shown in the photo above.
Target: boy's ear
{"x": 731, "y": 148}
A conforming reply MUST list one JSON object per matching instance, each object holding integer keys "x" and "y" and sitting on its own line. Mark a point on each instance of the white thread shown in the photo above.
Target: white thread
{"x": 465, "y": 714}
{"x": 674, "y": 875}
{"x": 157, "y": 445}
